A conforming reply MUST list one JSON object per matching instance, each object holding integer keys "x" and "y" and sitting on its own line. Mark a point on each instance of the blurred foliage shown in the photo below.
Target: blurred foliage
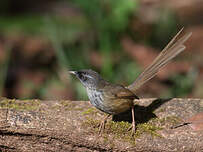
{"x": 24, "y": 24}
{"x": 104, "y": 22}
{"x": 165, "y": 27}
{"x": 98, "y": 27}
{"x": 108, "y": 19}
{"x": 64, "y": 37}
{"x": 4, "y": 68}
{"x": 183, "y": 84}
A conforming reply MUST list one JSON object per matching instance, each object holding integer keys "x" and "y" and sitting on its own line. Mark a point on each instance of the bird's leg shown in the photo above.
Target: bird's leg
{"x": 102, "y": 124}
{"x": 133, "y": 120}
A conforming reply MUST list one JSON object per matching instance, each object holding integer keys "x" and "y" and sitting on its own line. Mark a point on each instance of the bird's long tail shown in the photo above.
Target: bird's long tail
{"x": 174, "y": 47}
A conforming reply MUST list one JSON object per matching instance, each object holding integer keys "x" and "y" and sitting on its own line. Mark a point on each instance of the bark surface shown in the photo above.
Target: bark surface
{"x": 34, "y": 125}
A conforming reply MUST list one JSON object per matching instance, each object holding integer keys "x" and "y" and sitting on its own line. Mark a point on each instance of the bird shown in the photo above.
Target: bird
{"x": 114, "y": 99}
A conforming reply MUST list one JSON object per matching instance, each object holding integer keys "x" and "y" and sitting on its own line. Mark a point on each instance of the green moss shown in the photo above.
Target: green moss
{"x": 56, "y": 106}
{"x": 89, "y": 111}
{"x": 67, "y": 105}
{"x": 19, "y": 104}
{"x": 91, "y": 122}
{"x": 148, "y": 128}
{"x": 120, "y": 130}
{"x": 170, "y": 120}
{"x": 117, "y": 127}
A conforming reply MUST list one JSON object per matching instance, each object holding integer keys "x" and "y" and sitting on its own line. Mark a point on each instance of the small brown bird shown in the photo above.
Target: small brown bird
{"x": 114, "y": 98}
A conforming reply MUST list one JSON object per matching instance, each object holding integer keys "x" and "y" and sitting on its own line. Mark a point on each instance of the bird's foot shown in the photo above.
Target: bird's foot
{"x": 102, "y": 124}
{"x": 132, "y": 128}
{"x": 102, "y": 127}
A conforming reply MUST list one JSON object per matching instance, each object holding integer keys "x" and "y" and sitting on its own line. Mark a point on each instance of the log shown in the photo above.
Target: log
{"x": 162, "y": 125}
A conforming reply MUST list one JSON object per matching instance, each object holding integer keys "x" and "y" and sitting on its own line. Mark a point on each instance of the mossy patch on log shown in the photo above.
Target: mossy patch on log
{"x": 121, "y": 130}
{"x": 28, "y": 105}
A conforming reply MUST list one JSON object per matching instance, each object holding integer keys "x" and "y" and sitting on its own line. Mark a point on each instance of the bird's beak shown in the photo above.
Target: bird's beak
{"x": 72, "y": 72}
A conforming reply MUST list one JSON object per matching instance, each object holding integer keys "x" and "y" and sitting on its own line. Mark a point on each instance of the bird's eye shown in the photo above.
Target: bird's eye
{"x": 82, "y": 77}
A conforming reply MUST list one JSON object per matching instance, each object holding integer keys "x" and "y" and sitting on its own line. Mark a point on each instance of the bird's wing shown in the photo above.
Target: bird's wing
{"x": 119, "y": 91}
{"x": 174, "y": 47}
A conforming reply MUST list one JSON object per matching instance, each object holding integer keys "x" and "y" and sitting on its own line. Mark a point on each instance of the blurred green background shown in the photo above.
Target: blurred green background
{"x": 41, "y": 40}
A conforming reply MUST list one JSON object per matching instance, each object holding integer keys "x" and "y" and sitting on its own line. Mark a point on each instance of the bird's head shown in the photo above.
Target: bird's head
{"x": 88, "y": 77}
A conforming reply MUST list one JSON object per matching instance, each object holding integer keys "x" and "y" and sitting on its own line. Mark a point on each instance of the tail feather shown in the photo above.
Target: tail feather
{"x": 173, "y": 48}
